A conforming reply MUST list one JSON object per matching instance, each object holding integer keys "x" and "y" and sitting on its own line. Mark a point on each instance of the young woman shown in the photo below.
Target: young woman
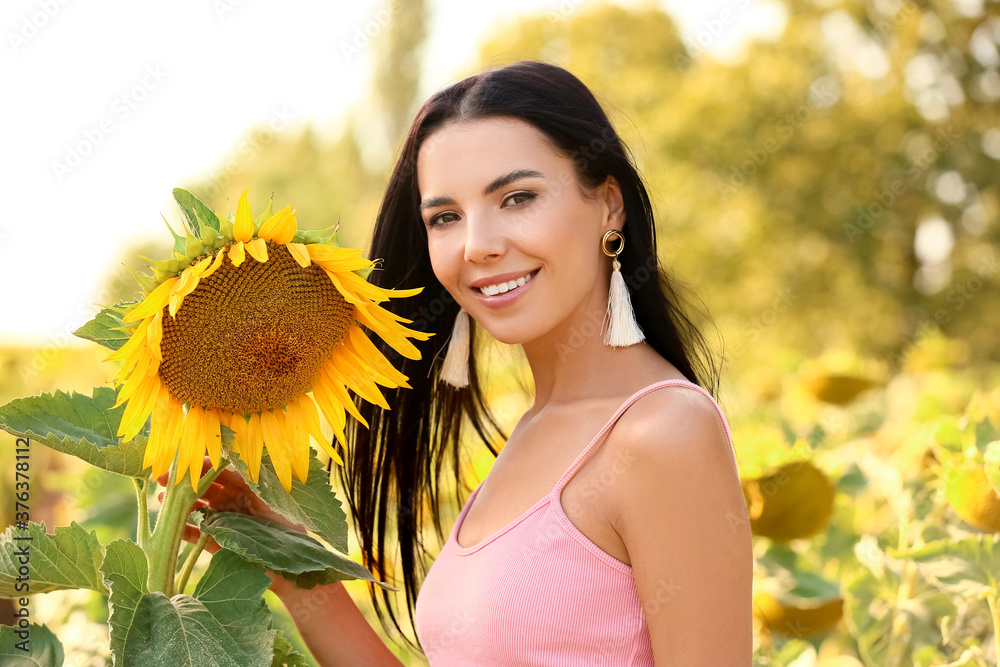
{"x": 611, "y": 529}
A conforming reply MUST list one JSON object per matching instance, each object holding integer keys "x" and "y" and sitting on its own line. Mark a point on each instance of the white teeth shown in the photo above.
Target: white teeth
{"x": 505, "y": 287}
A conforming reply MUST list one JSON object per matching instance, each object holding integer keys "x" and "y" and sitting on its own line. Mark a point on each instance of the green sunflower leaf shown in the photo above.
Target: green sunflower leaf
{"x": 313, "y": 504}
{"x": 285, "y": 654}
{"x": 104, "y": 329}
{"x": 309, "y": 236}
{"x": 43, "y": 649}
{"x": 233, "y": 592}
{"x": 196, "y": 214}
{"x": 83, "y": 426}
{"x": 967, "y": 568}
{"x": 293, "y": 555}
{"x": 225, "y": 623}
{"x": 67, "y": 560}
{"x": 125, "y": 570}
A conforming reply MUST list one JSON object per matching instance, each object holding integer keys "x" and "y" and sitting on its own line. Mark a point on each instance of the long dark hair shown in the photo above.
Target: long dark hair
{"x": 395, "y": 469}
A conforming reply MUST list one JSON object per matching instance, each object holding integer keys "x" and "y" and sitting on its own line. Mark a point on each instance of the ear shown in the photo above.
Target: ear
{"x": 612, "y": 194}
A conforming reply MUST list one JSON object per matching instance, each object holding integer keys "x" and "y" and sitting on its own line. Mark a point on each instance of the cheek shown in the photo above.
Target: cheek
{"x": 442, "y": 261}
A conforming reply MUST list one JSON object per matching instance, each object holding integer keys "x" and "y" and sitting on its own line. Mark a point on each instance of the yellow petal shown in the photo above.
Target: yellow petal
{"x": 362, "y": 346}
{"x": 398, "y": 293}
{"x": 348, "y": 264}
{"x": 254, "y": 450}
{"x": 153, "y": 302}
{"x": 213, "y": 435}
{"x": 157, "y": 429}
{"x": 321, "y": 252}
{"x": 192, "y": 446}
{"x": 280, "y": 227}
{"x": 144, "y": 367}
{"x": 355, "y": 377}
{"x": 348, "y": 282}
{"x": 306, "y": 409}
{"x": 328, "y": 398}
{"x": 138, "y": 408}
{"x": 276, "y": 440}
{"x": 257, "y": 249}
{"x": 390, "y": 333}
{"x": 238, "y": 424}
{"x": 330, "y": 380}
{"x": 299, "y": 254}
{"x": 236, "y": 254}
{"x": 298, "y": 440}
{"x": 216, "y": 263}
{"x": 136, "y": 342}
{"x": 243, "y": 228}
{"x": 200, "y": 266}
{"x": 164, "y": 458}
{"x": 186, "y": 285}
{"x": 154, "y": 335}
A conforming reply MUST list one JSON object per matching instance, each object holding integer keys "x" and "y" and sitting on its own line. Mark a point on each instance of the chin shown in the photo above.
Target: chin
{"x": 509, "y": 335}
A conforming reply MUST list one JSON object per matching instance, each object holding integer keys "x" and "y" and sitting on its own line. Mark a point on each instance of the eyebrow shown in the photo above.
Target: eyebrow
{"x": 495, "y": 184}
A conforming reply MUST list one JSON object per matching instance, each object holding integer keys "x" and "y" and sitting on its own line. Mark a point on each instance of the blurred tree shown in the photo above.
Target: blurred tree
{"x": 340, "y": 179}
{"x": 837, "y": 187}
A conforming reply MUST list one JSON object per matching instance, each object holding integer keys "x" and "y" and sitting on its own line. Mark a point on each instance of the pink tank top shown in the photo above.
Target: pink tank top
{"x": 537, "y": 592}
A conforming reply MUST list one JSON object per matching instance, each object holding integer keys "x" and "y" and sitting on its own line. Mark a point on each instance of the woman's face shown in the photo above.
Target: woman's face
{"x": 500, "y": 203}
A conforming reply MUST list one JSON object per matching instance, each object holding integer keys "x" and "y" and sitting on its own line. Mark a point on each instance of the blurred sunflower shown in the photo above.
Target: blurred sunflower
{"x": 238, "y": 329}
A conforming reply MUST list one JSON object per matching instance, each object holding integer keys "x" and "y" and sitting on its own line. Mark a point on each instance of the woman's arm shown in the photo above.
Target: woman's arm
{"x": 332, "y": 626}
{"x": 681, "y": 514}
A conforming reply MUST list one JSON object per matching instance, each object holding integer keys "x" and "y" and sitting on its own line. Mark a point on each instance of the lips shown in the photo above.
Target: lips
{"x": 502, "y": 299}
{"x": 481, "y": 285}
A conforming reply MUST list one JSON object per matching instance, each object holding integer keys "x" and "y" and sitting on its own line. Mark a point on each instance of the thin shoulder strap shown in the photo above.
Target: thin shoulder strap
{"x": 595, "y": 443}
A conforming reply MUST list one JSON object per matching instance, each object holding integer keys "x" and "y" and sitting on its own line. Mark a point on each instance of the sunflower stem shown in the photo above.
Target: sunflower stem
{"x": 169, "y": 531}
{"x": 188, "y": 566}
{"x": 142, "y": 528}
{"x": 991, "y": 598}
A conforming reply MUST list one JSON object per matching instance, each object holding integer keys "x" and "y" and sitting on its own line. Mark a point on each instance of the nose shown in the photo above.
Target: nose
{"x": 484, "y": 239}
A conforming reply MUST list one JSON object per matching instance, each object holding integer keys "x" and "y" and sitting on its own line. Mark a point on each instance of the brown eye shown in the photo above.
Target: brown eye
{"x": 439, "y": 219}
{"x": 518, "y": 198}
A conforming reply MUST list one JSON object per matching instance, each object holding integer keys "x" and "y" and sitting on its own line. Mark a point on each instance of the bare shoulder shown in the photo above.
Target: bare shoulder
{"x": 671, "y": 424}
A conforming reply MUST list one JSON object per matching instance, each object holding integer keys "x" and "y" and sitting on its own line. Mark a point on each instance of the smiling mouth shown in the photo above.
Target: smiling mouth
{"x": 503, "y": 288}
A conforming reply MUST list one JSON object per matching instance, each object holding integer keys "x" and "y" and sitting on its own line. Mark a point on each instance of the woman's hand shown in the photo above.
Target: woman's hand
{"x": 230, "y": 493}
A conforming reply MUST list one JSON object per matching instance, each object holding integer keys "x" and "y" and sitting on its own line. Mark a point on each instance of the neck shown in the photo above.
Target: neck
{"x": 571, "y": 362}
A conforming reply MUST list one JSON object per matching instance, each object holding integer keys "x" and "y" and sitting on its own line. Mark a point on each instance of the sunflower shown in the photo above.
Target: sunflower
{"x": 256, "y": 328}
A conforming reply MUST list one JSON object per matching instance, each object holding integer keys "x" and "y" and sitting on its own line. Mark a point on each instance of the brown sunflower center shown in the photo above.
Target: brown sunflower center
{"x": 253, "y": 337}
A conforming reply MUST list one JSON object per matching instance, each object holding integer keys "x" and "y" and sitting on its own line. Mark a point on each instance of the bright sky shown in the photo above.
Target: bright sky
{"x": 111, "y": 105}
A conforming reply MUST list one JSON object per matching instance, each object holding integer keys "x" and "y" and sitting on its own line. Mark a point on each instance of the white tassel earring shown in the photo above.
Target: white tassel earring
{"x": 455, "y": 370}
{"x": 622, "y": 329}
